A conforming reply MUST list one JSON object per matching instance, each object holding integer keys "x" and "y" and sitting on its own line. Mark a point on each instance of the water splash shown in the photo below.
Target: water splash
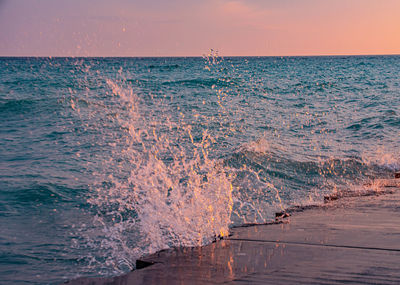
{"x": 302, "y": 128}
{"x": 383, "y": 157}
{"x": 164, "y": 190}
{"x": 172, "y": 173}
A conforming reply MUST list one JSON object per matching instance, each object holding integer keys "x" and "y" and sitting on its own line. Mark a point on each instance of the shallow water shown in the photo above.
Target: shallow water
{"x": 104, "y": 160}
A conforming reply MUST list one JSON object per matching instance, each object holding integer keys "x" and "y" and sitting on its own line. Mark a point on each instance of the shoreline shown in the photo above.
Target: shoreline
{"x": 352, "y": 237}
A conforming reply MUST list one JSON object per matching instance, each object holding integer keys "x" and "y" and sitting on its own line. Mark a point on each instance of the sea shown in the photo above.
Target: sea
{"x": 105, "y": 160}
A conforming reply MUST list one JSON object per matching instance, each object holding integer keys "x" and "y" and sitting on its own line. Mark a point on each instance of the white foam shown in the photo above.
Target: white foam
{"x": 181, "y": 196}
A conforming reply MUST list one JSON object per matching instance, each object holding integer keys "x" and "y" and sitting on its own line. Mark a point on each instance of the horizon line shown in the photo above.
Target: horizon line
{"x": 195, "y": 56}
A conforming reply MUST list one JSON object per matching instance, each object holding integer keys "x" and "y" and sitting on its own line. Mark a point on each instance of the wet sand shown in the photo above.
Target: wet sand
{"x": 349, "y": 240}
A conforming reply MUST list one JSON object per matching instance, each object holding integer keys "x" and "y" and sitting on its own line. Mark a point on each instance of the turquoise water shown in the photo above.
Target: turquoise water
{"x": 103, "y": 160}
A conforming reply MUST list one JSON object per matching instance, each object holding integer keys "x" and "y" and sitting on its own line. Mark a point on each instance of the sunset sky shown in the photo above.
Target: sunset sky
{"x": 192, "y": 28}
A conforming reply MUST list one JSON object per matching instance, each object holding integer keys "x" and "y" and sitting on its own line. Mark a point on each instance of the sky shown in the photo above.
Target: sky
{"x": 192, "y": 28}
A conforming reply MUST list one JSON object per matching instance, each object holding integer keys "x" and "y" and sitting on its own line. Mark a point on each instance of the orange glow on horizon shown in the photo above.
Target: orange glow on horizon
{"x": 189, "y": 28}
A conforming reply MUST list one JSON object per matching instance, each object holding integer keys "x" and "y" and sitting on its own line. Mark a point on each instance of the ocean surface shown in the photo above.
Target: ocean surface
{"x": 104, "y": 160}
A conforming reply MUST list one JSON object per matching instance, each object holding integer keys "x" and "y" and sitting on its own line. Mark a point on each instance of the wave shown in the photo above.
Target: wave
{"x": 163, "y": 186}
{"x": 164, "y": 67}
{"x": 12, "y": 107}
{"x": 203, "y": 82}
{"x": 20, "y": 106}
{"x": 39, "y": 194}
{"x": 174, "y": 176}
{"x": 267, "y": 180}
